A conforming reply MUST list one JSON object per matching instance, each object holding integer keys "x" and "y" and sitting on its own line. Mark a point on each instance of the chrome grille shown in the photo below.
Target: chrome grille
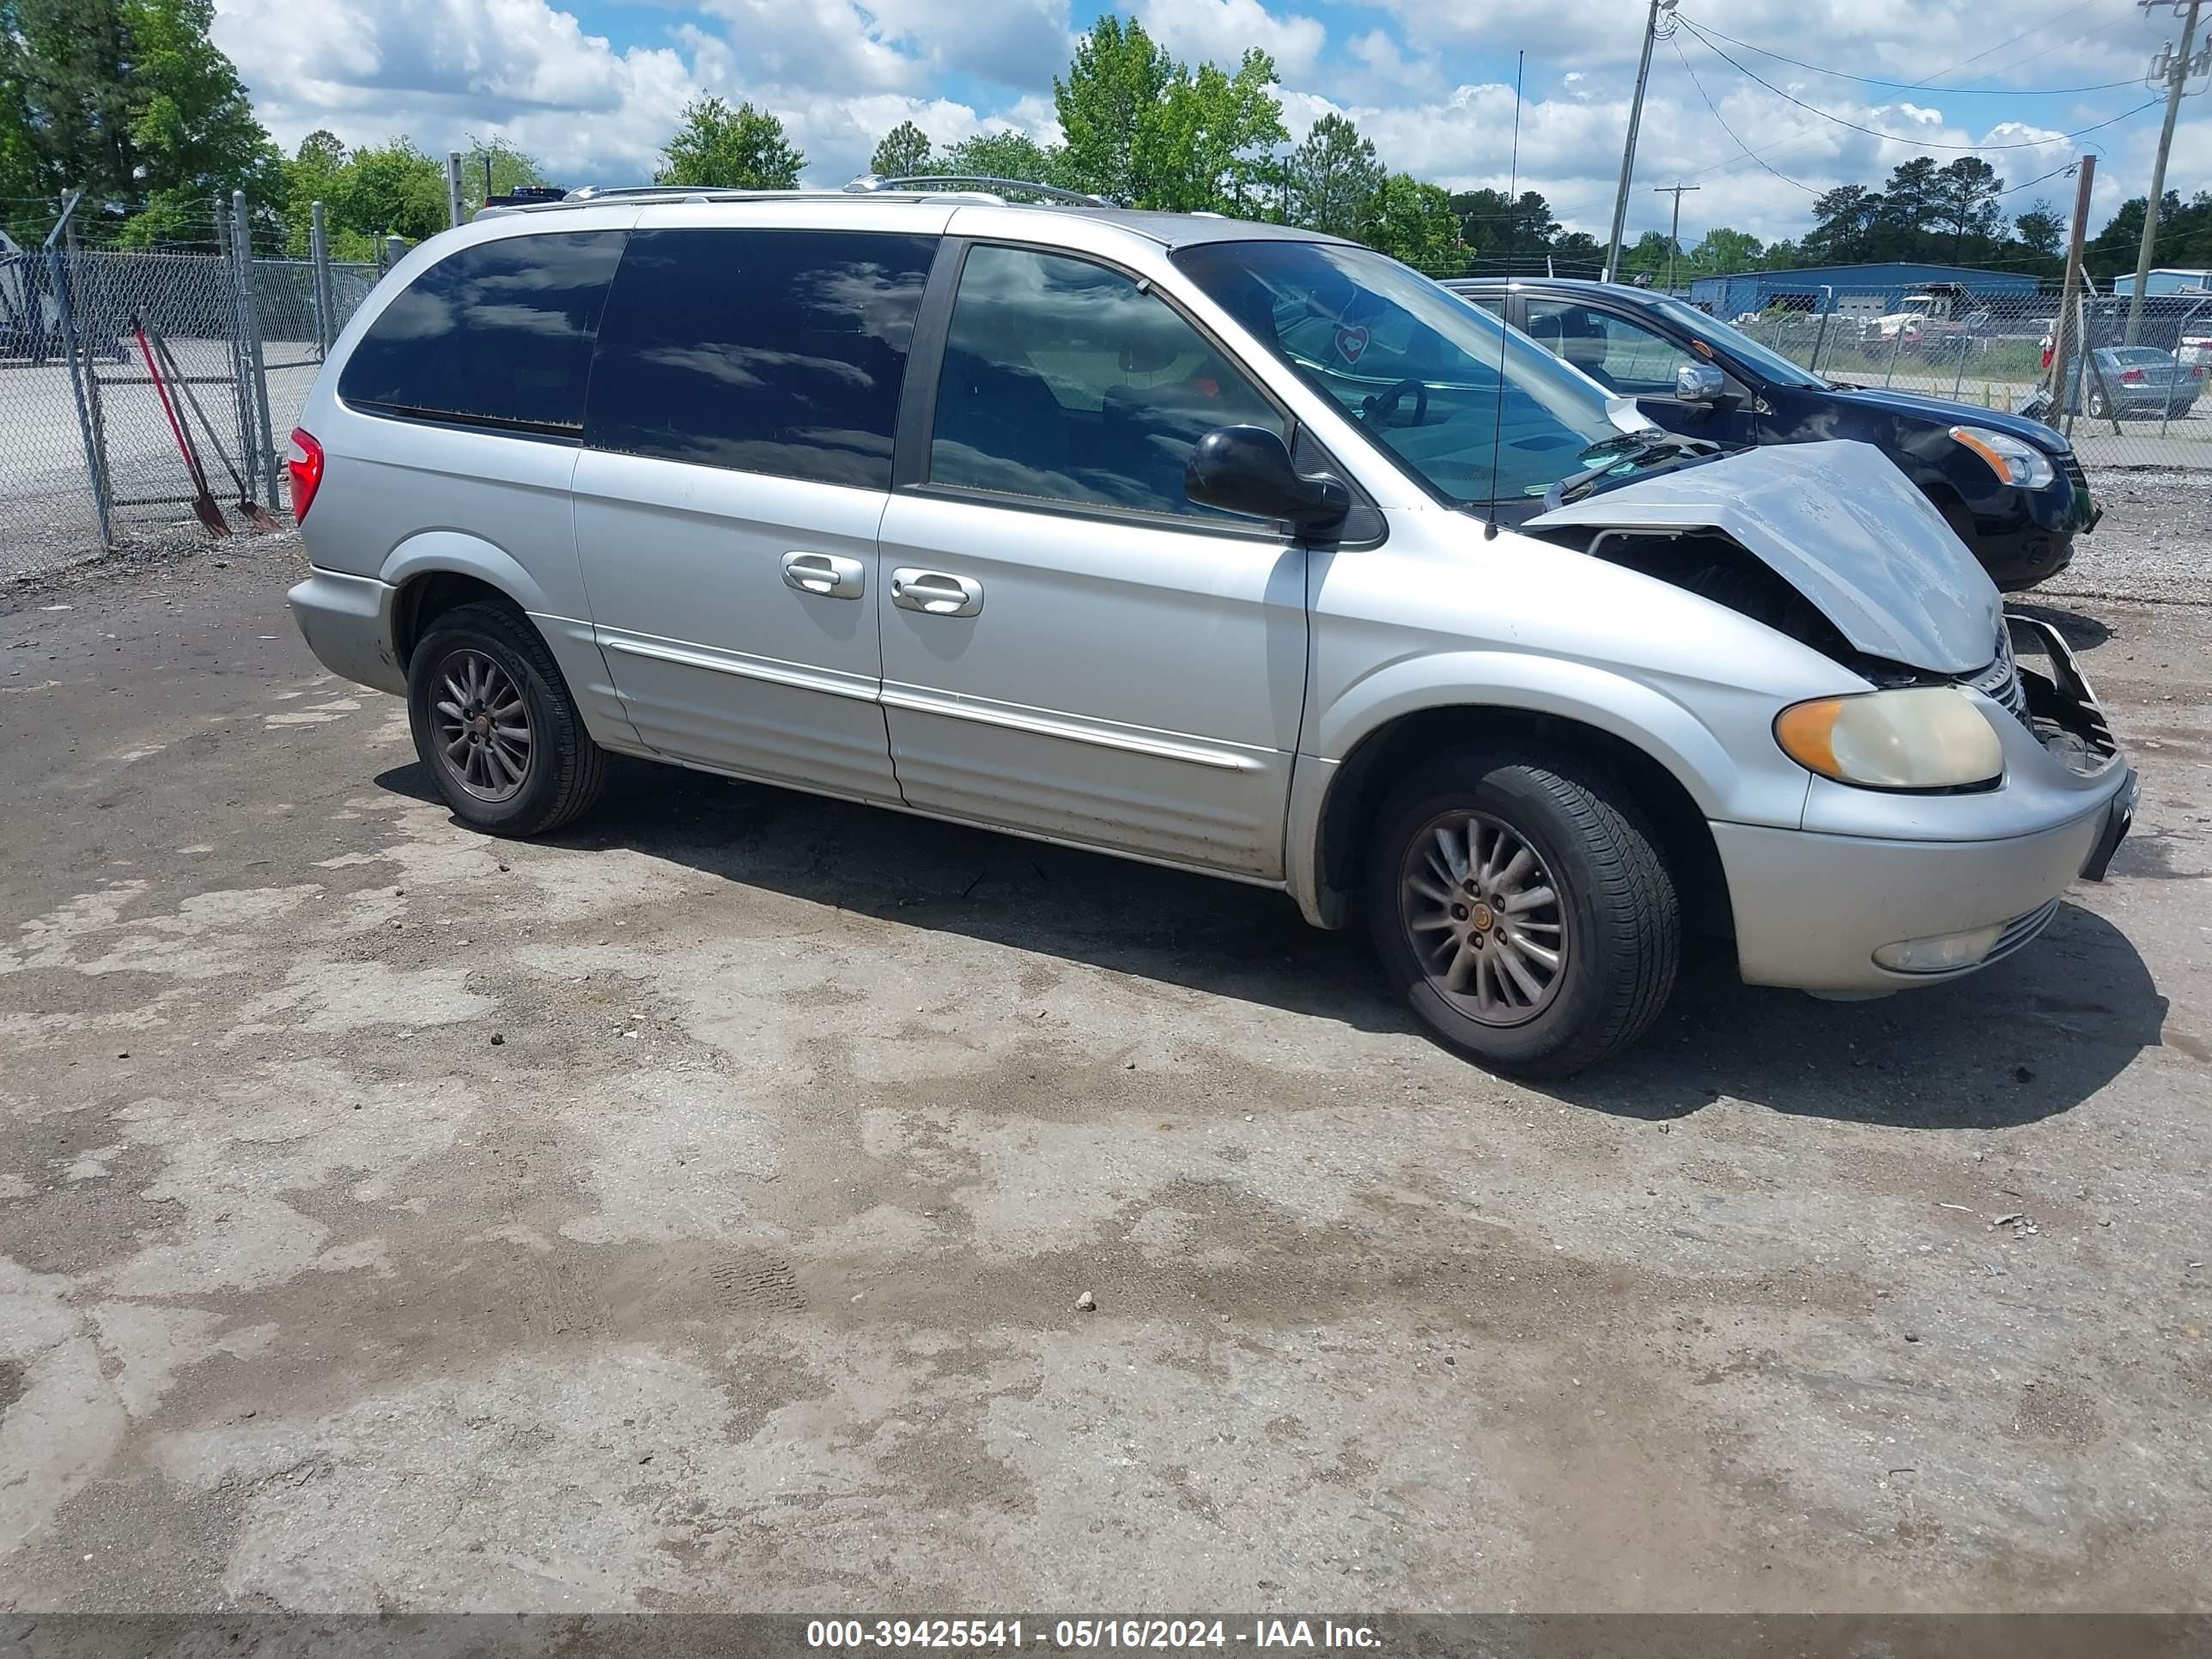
{"x": 2000, "y": 681}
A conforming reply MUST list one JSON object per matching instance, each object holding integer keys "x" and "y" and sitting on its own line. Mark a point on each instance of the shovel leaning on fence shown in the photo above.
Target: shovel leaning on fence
{"x": 256, "y": 514}
{"x": 203, "y": 507}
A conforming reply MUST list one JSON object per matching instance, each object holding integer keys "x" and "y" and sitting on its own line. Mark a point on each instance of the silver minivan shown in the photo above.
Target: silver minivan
{"x": 1225, "y": 546}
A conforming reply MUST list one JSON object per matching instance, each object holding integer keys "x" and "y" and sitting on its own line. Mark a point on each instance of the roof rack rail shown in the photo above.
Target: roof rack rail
{"x": 869, "y": 183}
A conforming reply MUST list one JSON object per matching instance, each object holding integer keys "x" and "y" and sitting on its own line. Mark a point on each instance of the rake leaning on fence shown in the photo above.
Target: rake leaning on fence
{"x": 98, "y": 440}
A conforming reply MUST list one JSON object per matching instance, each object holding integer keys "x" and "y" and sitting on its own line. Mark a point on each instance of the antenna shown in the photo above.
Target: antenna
{"x": 1498, "y": 421}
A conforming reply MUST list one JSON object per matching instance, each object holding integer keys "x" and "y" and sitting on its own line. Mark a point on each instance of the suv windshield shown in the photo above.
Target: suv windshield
{"x": 1415, "y": 365}
{"x": 1737, "y": 343}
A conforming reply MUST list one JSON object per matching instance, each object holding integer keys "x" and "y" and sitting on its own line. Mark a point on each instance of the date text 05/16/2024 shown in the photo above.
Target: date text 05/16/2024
{"x": 1071, "y": 1634}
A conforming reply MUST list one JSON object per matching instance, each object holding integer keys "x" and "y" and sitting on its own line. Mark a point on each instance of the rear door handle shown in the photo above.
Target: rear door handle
{"x": 824, "y": 574}
{"x": 935, "y": 592}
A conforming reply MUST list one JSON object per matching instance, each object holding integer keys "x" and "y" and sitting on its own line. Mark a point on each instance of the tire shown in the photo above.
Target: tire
{"x": 2096, "y": 405}
{"x": 473, "y": 662}
{"x": 1614, "y": 911}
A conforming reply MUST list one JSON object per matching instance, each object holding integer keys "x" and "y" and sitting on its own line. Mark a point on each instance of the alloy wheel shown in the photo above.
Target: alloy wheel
{"x": 481, "y": 723}
{"x": 1485, "y": 918}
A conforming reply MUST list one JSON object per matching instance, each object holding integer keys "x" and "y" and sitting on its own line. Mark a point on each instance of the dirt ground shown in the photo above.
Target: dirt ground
{"x": 691, "y": 1212}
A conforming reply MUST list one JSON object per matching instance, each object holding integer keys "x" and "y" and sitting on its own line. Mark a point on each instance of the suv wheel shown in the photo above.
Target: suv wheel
{"x": 1523, "y": 909}
{"x": 495, "y": 725}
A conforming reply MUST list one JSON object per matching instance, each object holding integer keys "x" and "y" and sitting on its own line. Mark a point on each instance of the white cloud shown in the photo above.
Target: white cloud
{"x": 1219, "y": 31}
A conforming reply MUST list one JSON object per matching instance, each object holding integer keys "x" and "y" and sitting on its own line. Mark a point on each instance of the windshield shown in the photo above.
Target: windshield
{"x": 1415, "y": 365}
{"x": 1737, "y": 343}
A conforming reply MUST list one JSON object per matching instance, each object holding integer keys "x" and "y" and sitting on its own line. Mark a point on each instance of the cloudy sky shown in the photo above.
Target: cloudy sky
{"x": 592, "y": 87}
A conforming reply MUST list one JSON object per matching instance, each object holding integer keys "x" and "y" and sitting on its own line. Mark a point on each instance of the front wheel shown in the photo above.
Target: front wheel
{"x": 1522, "y": 907}
{"x": 2097, "y": 405}
{"x": 495, "y": 723}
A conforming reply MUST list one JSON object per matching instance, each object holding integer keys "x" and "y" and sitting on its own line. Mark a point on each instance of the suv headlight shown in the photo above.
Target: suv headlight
{"x": 1918, "y": 737}
{"x": 2014, "y": 460}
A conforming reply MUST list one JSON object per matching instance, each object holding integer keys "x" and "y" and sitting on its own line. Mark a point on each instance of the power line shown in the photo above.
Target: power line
{"x": 2040, "y": 177}
{"x": 1917, "y": 86}
{"x": 1750, "y": 154}
{"x": 1903, "y": 138}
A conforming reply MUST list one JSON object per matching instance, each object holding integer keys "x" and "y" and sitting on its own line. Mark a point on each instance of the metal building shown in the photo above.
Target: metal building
{"x": 1875, "y": 288}
{"x": 2165, "y": 280}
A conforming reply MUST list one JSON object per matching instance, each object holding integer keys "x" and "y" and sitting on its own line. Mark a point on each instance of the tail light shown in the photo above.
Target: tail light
{"x": 2132, "y": 377}
{"x": 304, "y": 461}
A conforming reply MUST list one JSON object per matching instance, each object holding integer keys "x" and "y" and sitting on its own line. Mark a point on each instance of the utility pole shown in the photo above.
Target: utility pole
{"x": 1674, "y": 230}
{"x": 456, "y": 213}
{"x": 2062, "y": 342}
{"x": 2175, "y": 66}
{"x": 1635, "y": 120}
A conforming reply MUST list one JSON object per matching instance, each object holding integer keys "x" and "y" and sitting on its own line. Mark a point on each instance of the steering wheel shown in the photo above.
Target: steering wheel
{"x": 1378, "y": 410}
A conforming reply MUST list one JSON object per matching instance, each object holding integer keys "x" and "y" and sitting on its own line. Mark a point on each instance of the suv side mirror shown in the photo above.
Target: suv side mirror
{"x": 1699, "y": 383}
{"x": 1247, "y": 469}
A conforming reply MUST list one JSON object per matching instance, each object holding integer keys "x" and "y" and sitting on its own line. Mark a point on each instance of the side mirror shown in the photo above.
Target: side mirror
{"x": 1699, "y": 383}
{"x": 1247, "y": 469}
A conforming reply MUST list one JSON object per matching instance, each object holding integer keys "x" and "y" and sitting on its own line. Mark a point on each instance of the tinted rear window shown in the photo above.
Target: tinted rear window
{"x": 497, "y": 335}
{"x": 777, "y": 351}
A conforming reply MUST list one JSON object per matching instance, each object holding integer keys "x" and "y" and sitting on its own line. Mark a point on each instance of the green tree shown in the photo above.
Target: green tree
{"x": 1722, "y": 250}
{"x": 1331, "y": 177}
{"x": 1646, "y": 257}
{"x": 509, "y": 168}
{"x": 1006, "y": 155}
{"x": 741, "y": 149}
{"x": 130, "y": 100}
{"x": 903, "y": 153}
{"x": 1908, "y": 206}
{"x": 1414, "y": 222}
{"x": 1204, "y": 146}
{"x": 395, "y": 189}
{"x": 1966, "y": 207}
{"x": 2040, "y": 229}
{"x": 1114, "y": 86}
{"x": 1499, "y": 227}
{"x": 1844, "y": 221}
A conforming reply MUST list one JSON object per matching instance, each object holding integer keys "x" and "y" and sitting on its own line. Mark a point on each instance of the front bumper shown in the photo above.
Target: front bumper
{"x": 348, "y": 623}
{"x": 1812, "y": 906}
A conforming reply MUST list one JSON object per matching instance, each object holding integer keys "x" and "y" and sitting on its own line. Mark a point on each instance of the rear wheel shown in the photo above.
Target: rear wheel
{"x": 495, "y": 723}
{"x": 1522, "y": 907}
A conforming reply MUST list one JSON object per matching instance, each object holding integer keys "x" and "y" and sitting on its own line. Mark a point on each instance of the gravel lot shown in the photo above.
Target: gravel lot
{"x": 691, "y": 1212}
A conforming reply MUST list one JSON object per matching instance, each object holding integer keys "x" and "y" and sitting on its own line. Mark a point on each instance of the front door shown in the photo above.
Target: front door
{"x": 1071, "y": 646}
{"x": 737, "y": 463}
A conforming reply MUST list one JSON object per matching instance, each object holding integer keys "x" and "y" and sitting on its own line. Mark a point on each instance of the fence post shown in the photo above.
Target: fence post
{"x": 240, "y": 400}
{"x": 1890, "y": 372}
{"x": 87, "y": 417}
{"x": 319, "y": 250}
{"x": 395, "y": 250}
{"x": 249, "y": 315}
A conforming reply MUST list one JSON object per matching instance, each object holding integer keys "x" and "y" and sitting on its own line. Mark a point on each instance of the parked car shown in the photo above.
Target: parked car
{"x": 2134, "y": 383}
{"x": 1224, "y": 546}
{"x": 2010, "y": 488}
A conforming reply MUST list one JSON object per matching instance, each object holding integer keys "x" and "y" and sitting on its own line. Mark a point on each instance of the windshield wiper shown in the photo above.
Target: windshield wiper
{"x": 1627, "y": 450}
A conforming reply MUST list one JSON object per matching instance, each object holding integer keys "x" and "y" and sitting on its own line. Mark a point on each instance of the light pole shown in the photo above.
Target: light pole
{"x": 2173, "y": 69}
{"x": 1636, "y": 120}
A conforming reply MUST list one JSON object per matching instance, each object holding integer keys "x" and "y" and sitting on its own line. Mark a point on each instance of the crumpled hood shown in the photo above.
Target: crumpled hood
{"x": 1841, "y": 525}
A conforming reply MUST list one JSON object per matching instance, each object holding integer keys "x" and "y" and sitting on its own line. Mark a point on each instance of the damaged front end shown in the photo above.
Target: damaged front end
{"x": 1828, "y": 543}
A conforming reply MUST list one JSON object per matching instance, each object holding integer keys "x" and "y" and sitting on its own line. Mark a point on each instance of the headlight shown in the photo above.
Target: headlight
{"x": 2014, "y": 460}
{"x": 1918, "y": 736}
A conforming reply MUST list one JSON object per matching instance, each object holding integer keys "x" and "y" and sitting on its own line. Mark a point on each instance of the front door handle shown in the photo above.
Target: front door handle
{"x": 936, "y": 593}
{"x": 824, "y": 574}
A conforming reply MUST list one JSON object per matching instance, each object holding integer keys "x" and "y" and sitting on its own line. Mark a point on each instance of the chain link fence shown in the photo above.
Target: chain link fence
{"x": 2138, "y": 405}
{"x": 146, "y": 395}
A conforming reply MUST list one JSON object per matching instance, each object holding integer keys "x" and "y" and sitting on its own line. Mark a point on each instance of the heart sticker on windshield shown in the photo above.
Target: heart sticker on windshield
{"x": 1350, "y": 343}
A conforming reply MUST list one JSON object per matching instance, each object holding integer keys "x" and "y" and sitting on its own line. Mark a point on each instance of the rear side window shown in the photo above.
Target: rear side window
{"x": 778, "y": 351}
{"x": 498, "y": 335}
